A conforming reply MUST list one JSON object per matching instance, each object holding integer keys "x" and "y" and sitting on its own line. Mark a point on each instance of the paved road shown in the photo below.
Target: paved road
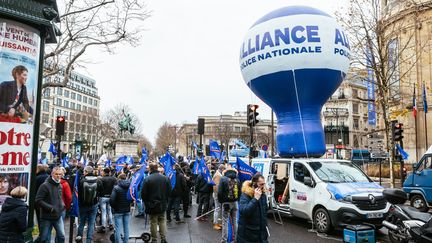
{"x": 192, "y": 231}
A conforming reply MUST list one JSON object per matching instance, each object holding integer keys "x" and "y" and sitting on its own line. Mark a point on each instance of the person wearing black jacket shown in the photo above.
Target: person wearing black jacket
{"x": 176, "y": 195}
{"x": 88, "y": 189}
{"x": 186, "y": 197}
{"x": 204, "y": 191}
{"x": 108, "y": 182}
{"x": 155, "y": 193}
{"x": 13, "y": 216}
{"x": 121, "y": 209}
{"x": 51, "y": 207}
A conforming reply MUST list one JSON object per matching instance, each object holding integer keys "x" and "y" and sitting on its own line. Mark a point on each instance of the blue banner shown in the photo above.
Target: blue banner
{"x": 245, "y": 172}
{"x": 137, "y": 178}
{"x": 370, "y": 89}
{"x": 75, "y": 207}
{"x": 52, "y": 149}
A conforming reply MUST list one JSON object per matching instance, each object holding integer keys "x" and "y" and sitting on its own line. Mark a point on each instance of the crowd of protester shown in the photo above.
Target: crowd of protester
{"x": 238, "y": 209}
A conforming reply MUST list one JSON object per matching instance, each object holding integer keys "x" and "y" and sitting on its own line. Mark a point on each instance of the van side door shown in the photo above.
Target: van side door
{"x": 423, "y": 176}
{"x": 301, "y": 195}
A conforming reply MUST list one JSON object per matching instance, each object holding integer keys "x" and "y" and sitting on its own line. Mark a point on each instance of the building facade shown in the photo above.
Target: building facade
{"x": 79, "y": 103}
{"x": 225, "y": 129}
{"x": 407, "y": 27}
{"x": 345, "y": 116}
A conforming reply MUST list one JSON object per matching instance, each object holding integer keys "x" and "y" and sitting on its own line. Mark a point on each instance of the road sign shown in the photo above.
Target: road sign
{"x": 264, "y": 147}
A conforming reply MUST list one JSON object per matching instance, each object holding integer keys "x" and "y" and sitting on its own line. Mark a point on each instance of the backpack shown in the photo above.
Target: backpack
{"x": 233, "y": 190}
{"x": 89, "y": 190}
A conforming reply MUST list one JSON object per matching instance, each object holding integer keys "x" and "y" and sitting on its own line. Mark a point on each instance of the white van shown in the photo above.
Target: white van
{"x": 328, "y": 192}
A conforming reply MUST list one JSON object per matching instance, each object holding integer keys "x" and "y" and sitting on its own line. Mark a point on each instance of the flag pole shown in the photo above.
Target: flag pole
{"x": 426, "y": 131}
{"x": 415, "y": 124}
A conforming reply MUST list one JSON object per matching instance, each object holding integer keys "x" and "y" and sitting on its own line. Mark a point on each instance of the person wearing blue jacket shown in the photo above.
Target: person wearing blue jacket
{"x": 252, "y": 224}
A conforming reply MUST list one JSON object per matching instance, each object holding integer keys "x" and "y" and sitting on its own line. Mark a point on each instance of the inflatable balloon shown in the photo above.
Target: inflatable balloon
{"x": 294, "y": 58}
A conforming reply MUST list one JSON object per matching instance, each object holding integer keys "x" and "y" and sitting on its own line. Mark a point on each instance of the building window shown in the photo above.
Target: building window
{"x": 59, "y": 91}
{"x": 66, "y": 93}
{"x": 47, "y": 93}
{"x": 59, "y": 102}
{"x": 72, "y": 105}
{"x": 355, "y": 94}
{"x": 66, "y": 114}
{"x": 84, "y": 108}
{"x": 355, "y": 108}
{"x": 73, "y": 95}
{"x": 356, "y": 124}
{"x": 45, "y": 118}
{"x": 85, "y": 99}
{"x": 58, "y": 112}
{"x": 95, "y": 103}
{"x": 66, "y": 104}
{"x": 45, "y": 105}
{"x": 90, "y": 101}
{"x": 78, "y": 107}
{"x": 79, "y": 97}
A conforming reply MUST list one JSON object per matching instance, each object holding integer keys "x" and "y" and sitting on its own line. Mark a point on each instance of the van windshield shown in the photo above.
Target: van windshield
{"x": 338, "y": 172}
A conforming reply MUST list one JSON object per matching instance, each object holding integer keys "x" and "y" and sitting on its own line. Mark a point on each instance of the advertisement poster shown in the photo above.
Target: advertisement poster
{"x": 19, "y": 62}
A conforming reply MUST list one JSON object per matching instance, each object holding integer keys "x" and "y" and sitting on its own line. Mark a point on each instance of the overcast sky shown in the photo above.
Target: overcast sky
{"x": 188, "y": 62}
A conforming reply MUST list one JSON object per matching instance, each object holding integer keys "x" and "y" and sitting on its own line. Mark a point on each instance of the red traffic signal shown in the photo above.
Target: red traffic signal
{"x": 60, "y": 125}
{"x": 252, "y": 115}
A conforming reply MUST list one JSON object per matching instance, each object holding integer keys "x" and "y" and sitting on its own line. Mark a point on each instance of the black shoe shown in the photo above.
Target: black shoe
{"x": 186, "y": 216}
{"x": 177, "y": 220}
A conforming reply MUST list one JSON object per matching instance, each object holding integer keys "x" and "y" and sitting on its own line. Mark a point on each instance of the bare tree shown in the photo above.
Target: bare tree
{"x": 164, "y": 138}
{"x": 224, "y": 133}
{"x": 380, "y": 40}
{"x": 90, "y": 24}
{"x": 113, "y": 116}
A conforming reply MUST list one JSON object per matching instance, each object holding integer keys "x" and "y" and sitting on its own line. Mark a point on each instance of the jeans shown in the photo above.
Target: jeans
{"x": 155, "y": 221}
{"x": 46, "y": 227}
{"x": 87, "y": 213}
{"x": 121, "y": 221}
{"x": 140, "y": 206}
{"x": 229, "y": 212}
{"x": 204, "y": 201}
{"x": 105, "y": 207}
{"x": 173, "y": 201}
{"x": 217, "y": 210}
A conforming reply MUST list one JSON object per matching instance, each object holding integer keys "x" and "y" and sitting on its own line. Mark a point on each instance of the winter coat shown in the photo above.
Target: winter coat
{"x": 201, "y": 185}
{"x": 40, "y": 179}
{"x": 228, "y": 174}
{"x": 118, "y": 199}
{"x": 155, "y": 193}
{"x": 13, "y": 220}
{"x": 108, "y": 183}
{"x": 216, "y": 179}
{"x": 49, "y": 200}
{"x": 66, "y": 194}
{"x": 180, "y": 187}
{"x": 253, "y": 216}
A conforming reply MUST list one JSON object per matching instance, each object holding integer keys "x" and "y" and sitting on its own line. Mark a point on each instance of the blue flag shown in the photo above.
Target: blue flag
{"x": 196, "y": 168}
{"x": 205, "y": 172}
{"x": 215, "y": 150}
{"x": 65, "y": 162}
{"x": 245, "y": 172}
{"x": 168, "y": 161}
{"x": 195, "y": 145}
{"x": 75, "y": 207}
{"x": 425, "y": 104}
{"x": 144, "y": 156}
{"x": 121, "y": 161}
{"x": 137, "y": 178}
{"x": 108, "y": 163}
{"x": 402, "y": 152}
{"x": 52, "y": 149}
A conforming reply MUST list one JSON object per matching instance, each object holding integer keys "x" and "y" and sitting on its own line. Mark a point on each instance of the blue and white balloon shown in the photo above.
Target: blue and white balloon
{"x": 294, "y": 58}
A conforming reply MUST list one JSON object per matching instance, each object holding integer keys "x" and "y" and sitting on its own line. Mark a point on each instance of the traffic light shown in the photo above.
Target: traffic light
{"x": 252, "y": 115}
{"x": 60, "y": 125}
{"x": 397, "y": 132}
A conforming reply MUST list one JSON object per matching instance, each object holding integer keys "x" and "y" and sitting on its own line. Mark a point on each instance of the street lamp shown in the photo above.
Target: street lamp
{"x": 337, "y": 112}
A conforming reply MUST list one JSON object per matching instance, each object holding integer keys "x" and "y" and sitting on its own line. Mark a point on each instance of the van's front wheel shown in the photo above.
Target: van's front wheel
{"x": 322, "y": 220}
{"x": 419, "y": 203}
